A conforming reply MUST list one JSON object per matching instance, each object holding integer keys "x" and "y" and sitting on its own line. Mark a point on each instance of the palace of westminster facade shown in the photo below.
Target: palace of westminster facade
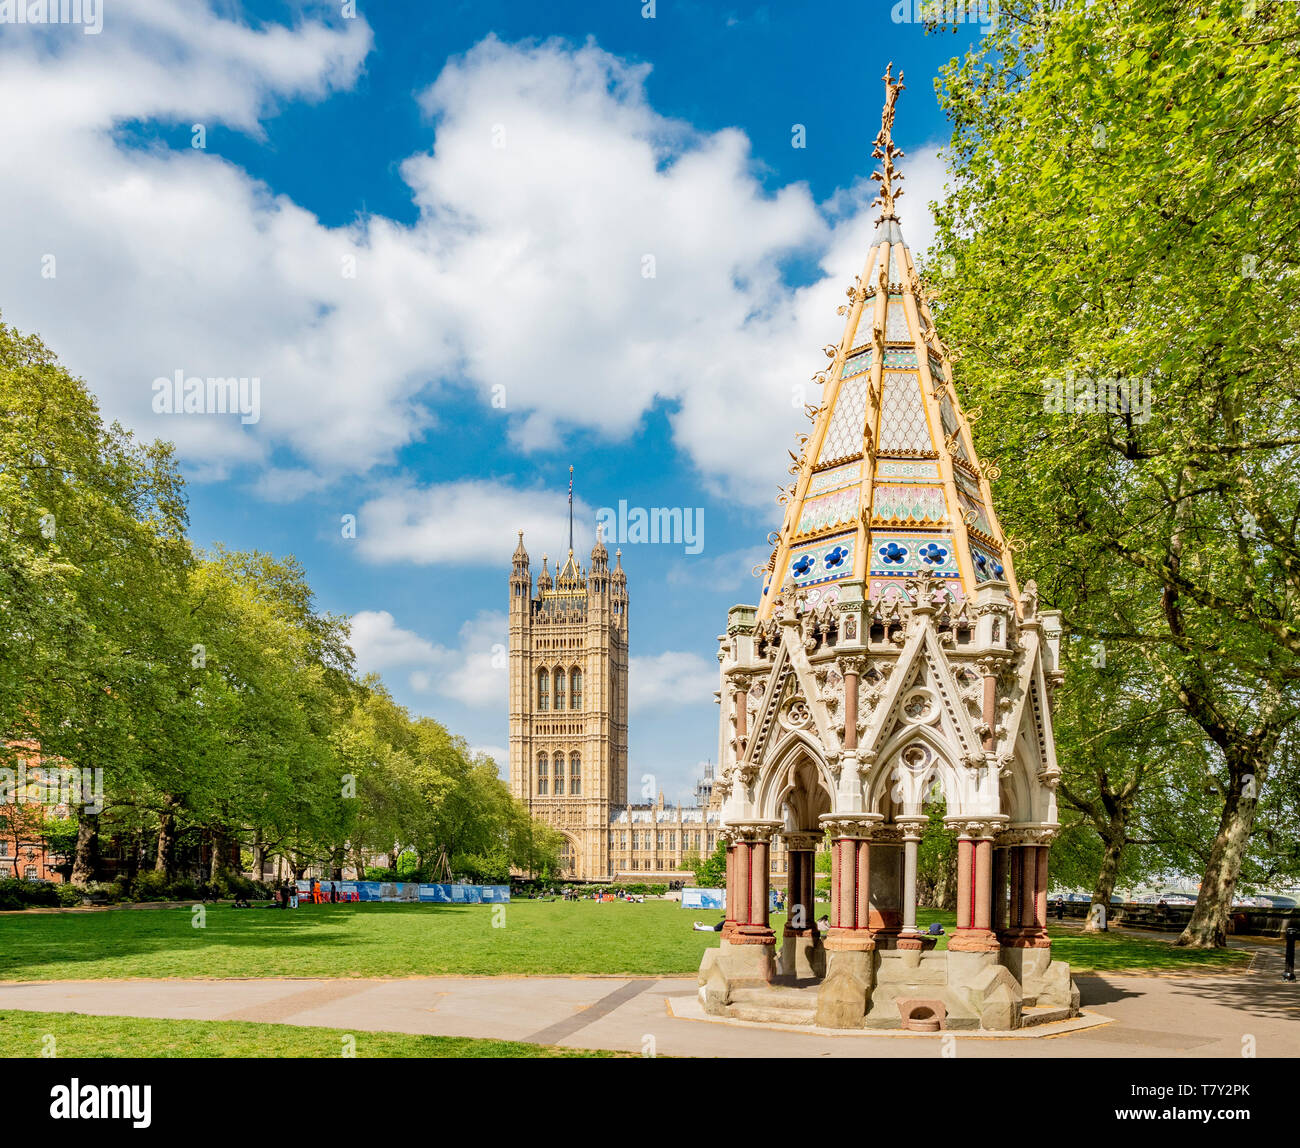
{"x": 569, "y": 729}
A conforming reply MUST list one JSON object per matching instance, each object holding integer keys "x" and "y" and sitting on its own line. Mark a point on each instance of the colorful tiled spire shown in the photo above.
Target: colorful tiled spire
{"x": 888, "y": 484}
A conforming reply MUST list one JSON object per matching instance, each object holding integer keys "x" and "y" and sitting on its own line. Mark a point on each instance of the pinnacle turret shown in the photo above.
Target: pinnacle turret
{"x": 519, "y": 565}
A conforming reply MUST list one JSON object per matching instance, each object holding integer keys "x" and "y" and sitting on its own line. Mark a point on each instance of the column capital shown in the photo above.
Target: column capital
{"x": 850, "y": 665}
{"x": 912, "y": 827}
{"x": 857, "y": 825}
{"x": 740, "y": 680}
{"x": 750, "y": 832}
{"x": 977, "y": 828}
{"x": 992, "y": 663}
{"x": 1028, "y": 835}
{"x": 801, "y": 842}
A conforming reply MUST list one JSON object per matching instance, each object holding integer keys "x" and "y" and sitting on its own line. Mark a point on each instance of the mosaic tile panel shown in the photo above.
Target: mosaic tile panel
{"x": 920, "y": 504}
{"x": 896, "y": 328}
{"x": 949, "y": 419}
{"x": 824, "y": 480}
{"x": 828, "y": 510}
{"x": 891, "y": 588}
{"x": 936, "y": 369}
{"x": 967, "y": 483}
{"x": 862, "y": 332}
{"x": 895, "y": 271}
{"x": 825, "y": 560}
{"x": 823, "y": 596}
{"x": 844, "y": 435}
{"x": 981, "y": 522}
{"x": 897, "y": 553}
{"x": 856, "y": 364}
{"x": 987, "y": 564}
{"x": 900, "y": 357}
{"x": 903, "y": 429}
{"x": 892, "y": 470}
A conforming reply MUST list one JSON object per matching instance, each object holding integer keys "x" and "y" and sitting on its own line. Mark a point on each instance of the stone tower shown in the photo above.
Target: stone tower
{"x": 890, "y": 664}
{"x": 568, "y": 701}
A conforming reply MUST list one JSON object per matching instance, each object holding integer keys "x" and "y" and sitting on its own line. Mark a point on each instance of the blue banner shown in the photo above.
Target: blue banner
{"x": 405, "y": 892}
{"x": 693, "y": 898}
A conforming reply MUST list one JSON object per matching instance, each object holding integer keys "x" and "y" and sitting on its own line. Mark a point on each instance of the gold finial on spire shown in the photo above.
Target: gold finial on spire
{"x": 886, "y": 150}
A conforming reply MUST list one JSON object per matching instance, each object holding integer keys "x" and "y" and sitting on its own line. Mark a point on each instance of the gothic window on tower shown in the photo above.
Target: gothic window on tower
{"x": 575, "y": 775}
{"x": 543, "y": 690}
{"x": 559, "y": 775}
{"x": 575, "y": 689}
{"x": 541, "y": 774}
{"x": 559, "y": 689}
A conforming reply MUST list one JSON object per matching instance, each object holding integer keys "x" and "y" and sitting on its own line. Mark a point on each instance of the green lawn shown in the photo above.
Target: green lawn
{"x": 28, "y": 1034}
{"x": 376, "y": 940}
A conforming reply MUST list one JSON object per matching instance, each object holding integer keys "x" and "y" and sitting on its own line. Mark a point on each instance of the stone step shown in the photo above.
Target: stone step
{"x": 761, "y": 1014}
{"x": 1042, "y": 1014}
{"x": 776, "y": 997}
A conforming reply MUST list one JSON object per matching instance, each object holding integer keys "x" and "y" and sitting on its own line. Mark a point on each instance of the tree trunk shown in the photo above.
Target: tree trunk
{"x": 164, "y": 858}
{"x": 86, "y": 856}
{"x": 137, "y": 850}
{"x": 1208, "y": 927}
{"x": 1113, "y": 848}
{"x": 945, "y": 888}
{"x": 217, "y": 846}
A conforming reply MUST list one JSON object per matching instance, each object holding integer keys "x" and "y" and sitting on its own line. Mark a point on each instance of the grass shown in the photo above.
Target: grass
{"x": 28, "y": 1034}
{"x": 385, "y": 940}
{"x": 1138, "y": 953}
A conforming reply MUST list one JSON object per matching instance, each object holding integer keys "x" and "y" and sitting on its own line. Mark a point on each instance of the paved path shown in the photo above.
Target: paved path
{"x": 1149, "y": 1016}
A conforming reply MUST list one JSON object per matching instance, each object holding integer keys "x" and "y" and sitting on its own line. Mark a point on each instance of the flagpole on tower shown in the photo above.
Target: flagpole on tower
{"x": 570, "y": 508}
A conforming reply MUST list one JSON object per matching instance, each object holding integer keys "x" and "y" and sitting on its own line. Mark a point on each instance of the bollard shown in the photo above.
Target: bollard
{"x": 1288, "y": 973}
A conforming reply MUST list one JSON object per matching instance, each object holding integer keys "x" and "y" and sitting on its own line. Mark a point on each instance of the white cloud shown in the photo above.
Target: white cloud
{"x": 468, "y": 523}
{"x": 733, "y": 570}
{"x": 473, "y": 673}
{"x": 675, "y": 677}
{"x": 525, "y": 269}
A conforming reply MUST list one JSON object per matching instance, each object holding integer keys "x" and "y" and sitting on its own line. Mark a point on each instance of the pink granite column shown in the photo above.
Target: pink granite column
{"x": 1028, "y": 885}
{"x": 974, "y": 891}
{"x": 983, "y": 885}
{"x": 1000, "y": 890}
{"x": 965, "y": 876}
{"x": 863, "y": 889}
{"x": 852, "y": 670}
{"x": 750, "y": 879}
{"x": 851, "y": 883}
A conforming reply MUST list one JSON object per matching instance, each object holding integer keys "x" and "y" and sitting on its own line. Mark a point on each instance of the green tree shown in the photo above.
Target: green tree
{"x": 1116, "y": 266}
{"x": 712, "y": 872}
{"x": 92, "y": 560}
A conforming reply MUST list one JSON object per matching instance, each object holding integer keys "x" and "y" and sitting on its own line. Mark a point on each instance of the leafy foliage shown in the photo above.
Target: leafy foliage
{"x": 215, "y": 703}
{"x": 1117, "y": 264}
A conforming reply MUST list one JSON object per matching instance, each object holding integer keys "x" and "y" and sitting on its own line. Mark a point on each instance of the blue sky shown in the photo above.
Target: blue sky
{"x": 425, "y": 231}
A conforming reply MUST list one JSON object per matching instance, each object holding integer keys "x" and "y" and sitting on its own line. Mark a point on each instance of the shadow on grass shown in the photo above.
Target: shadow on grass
{"x": 118, "y": 935}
